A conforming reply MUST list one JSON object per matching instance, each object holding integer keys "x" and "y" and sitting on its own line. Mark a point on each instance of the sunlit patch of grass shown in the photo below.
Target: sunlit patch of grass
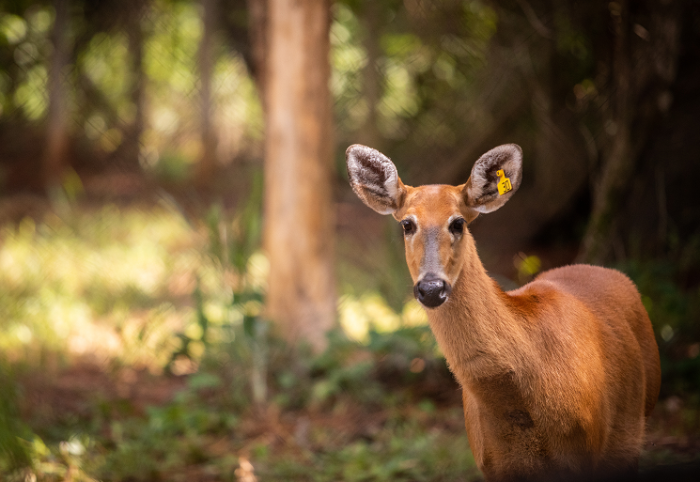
{"x": 370, "y": 311}
{"x": 114, "y": 283}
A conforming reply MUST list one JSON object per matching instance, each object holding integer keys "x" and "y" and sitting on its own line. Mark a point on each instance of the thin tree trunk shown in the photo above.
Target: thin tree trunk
{"x": 619, "y": 162}
{"x": 257, "y": 28}
{"x": 299, "y": 231}
{"x": 371, "y": 87}
{"x": 131, "y": 145}
{"x": 207, "y": 163}
{"x": 56, "y": 154}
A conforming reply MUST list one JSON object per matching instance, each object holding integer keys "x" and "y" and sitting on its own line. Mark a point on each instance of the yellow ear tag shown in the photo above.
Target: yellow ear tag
{"x": 504, "y": 185}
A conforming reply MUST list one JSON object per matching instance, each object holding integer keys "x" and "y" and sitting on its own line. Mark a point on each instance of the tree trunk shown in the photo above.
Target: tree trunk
{"x": 371, "y": 81}
{"x": 130, "y": 147}
{"x": 637, "y": 98}
{"x": 56, "y": 154}
{"x": 207, "y": 163}
{"x": 618, "y": 163}
{"x": 257, "y": 29}
{"x": 299, "y": 230}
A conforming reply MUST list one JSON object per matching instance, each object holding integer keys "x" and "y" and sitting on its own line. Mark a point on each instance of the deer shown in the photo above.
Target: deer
{"x": 558, "y": 376}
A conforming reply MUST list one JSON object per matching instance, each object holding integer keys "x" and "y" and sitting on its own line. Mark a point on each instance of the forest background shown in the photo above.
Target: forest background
{"x": 189, "y": 289}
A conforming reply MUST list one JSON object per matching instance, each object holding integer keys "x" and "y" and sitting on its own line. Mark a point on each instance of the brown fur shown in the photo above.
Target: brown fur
{"x": 557, "y": 376}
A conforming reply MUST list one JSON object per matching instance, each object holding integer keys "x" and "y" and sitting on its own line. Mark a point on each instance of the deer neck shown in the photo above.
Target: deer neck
{"x": 476, "y": 330}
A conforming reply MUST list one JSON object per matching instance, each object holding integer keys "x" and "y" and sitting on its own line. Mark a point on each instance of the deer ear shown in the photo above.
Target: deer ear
{"x": 481, "y": 191}
{"x": 374, "y": 179}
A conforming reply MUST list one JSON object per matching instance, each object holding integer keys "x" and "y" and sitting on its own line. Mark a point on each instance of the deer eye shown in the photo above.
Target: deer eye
{"x": 409, "y": 227}
{"x": 457, "y": 226}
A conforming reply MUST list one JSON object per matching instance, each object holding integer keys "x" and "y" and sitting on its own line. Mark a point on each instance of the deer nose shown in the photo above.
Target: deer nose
{"x": 431, "y": 291}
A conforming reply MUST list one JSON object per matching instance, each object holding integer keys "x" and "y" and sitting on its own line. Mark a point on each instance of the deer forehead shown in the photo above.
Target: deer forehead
{"x": 433, "y": 205}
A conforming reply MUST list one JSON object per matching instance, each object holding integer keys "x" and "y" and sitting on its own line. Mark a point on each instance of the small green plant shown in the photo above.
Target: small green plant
{"x": 233, "y": 245}
{"x": 527, "y": 266}
{"x": 13, "y": 453}
{"x": 674, "y": 310}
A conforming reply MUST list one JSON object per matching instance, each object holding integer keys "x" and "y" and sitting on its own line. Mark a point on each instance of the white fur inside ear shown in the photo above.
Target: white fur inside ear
{"x": 479, "y": 179}
{"x": 374, "y": 178}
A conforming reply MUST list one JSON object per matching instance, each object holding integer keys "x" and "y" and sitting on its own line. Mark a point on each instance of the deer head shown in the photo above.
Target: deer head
{"x": 434, "y": 217}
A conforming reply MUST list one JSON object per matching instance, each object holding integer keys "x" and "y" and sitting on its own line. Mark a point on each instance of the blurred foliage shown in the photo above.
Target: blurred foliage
{"x": 674, "y": 309}
{"x": 419, "y": 69}
{"x": 62, "y": 278}
{"x": 13, "y": 454}
{"x": 101, "y": 106}
{"x": 527, "y": 266}
{"x": 369, "y": 267}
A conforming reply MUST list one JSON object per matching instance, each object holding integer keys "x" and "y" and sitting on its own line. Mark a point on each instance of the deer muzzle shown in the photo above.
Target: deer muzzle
{"x": 432, "y": 291}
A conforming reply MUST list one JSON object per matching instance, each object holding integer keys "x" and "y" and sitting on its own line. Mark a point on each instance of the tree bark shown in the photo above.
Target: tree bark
{"x": 257, "y": 29}
{"x": 207, "y": 163}
{"x": 637, "y": 98}
{"x": 299, "y": 229}
{"x": 371, "y": 81}
{"x": 133, "y": 137}
{"x": 56, "y": 154}
{"x": 619, "y": 161}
